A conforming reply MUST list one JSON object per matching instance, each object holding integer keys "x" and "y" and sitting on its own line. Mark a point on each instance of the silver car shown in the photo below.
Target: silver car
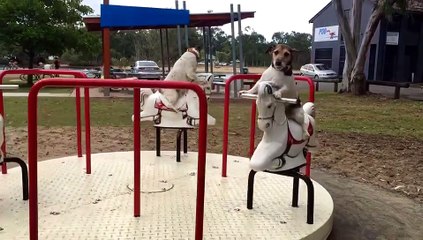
{"x": 147, "y": 70}
{"x": 318, "y": 71}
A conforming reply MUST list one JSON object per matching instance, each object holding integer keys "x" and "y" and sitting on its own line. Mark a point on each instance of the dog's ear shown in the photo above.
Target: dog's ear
{"x": 294, "y": 50}
{"x": 270, "y": 48}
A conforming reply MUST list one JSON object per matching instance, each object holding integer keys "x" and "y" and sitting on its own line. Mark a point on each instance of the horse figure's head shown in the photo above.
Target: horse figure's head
{"x": 205, "y": 81}
{"x": 269, "y": 110}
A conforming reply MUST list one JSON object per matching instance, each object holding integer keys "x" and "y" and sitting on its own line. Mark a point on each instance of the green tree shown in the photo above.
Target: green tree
{"x": 357, "y": 47}
{"x": 38, "y": 26}
{"x": 297, "y": 40}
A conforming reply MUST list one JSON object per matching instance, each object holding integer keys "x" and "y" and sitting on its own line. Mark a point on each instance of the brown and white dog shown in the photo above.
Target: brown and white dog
{"x": 279, "y": 73}
{"x": 184, "y": 69}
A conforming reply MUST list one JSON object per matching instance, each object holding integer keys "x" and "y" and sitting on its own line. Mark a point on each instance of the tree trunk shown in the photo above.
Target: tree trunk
{"x": 31, "y": 55}
{"x": 350, "y": 47}
{"x": 358, "y": 77}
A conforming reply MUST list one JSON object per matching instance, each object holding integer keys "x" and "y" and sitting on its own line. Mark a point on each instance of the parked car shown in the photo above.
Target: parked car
{"x": 318, "y": 71}
{"x": 147, "y": 70}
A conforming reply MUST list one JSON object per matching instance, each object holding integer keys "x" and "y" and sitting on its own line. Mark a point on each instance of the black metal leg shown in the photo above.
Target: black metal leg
{"x": 185, "y": 141}
{"x": 24, "y": 168}
{"x": 157, "y": 141}
{"x": 310, "y": 197}
{"x": 295, "y": 186}
{"x": 250, "y": 191}
{"x": 178, "y": 145}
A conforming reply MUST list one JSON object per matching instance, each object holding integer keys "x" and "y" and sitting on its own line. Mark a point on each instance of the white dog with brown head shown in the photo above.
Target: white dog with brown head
{"x": 184, "y": 69}
{"x": 279, "y": 74}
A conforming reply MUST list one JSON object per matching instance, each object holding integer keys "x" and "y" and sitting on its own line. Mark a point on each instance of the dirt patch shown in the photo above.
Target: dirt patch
{"x": 392, "y": 163}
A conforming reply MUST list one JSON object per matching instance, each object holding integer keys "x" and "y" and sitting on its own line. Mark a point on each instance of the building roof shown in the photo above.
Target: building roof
{"x": 320, "y": 12}
{"x": 412, "y": 5}
{"x": 92, "y": 23}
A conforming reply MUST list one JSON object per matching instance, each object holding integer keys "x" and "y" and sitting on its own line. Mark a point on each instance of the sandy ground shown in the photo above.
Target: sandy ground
{"x": 376, "y": 182}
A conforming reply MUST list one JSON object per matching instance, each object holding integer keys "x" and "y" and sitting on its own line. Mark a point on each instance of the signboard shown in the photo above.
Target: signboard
{"x": 115, "y": 16}
{"x": 392, "y": 38}
{"x": 328, "y": 33}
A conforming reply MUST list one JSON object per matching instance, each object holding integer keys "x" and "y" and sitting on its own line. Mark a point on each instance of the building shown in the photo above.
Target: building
{"x": 396, "y": 50}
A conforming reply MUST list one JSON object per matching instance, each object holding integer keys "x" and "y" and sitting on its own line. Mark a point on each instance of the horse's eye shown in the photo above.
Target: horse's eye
{"x": 269, "y": 106}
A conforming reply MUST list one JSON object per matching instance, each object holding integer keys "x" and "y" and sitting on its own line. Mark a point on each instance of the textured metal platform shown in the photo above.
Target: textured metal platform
{"x": 73, "y": 205}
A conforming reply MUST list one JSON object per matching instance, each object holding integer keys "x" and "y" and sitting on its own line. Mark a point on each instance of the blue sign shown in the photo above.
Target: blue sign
{"x": 114, "y": 16}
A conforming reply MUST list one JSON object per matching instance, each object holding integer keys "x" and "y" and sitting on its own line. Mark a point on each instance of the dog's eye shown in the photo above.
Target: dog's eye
{"x": 276, "y": 52}
{"x": 286, "y": 54}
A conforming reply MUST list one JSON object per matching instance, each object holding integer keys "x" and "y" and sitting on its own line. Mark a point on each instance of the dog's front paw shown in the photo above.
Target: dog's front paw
{"x": 242, "y": 92}
{"x": 278, "y": 94}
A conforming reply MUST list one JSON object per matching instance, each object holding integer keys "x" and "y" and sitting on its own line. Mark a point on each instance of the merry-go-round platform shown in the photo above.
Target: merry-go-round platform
{"x": 74, "y": 205}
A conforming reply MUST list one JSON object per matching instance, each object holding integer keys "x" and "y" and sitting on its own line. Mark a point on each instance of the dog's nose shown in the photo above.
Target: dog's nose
{"x": 278, "y": 63}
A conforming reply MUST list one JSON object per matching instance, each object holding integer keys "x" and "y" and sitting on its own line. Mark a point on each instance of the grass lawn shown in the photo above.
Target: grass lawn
{"x": 14, "y": 79}
{"x": 335, "y": 113}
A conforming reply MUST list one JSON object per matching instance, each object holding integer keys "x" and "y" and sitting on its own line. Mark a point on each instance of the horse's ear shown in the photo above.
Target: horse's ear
{"x": 268, "y": 89}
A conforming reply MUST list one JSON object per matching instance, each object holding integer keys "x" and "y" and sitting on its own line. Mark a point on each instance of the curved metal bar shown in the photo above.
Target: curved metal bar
{"x": 283, "y": 100}
{"x": 81, "y": 82}
{"x": 76, "y": 74}
{"x": 228, "y": 82}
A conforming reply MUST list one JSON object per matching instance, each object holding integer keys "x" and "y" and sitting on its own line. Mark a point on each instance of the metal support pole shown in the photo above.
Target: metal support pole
{"x": 106, "y": 54}
{"x": 179, "y": 31}
{"x": 241, "y": 55}
{"x": 235, "y": 87}
{"x": 167, "y": 50}
{"x": 206, "y": 63}
{"x": 209, "y": 35}
{"x": 162, "y": 53}
{"x": 184, "y": 5}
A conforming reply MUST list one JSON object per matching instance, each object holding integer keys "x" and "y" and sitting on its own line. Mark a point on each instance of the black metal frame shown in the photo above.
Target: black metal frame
{"x": 181, "y": 131}
{"x": 296, "y": 174}
{"x": 24, "y": 168}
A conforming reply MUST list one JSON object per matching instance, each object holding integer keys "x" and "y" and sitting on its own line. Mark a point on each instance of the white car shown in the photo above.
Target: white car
{"x": 318, "y": 71}
{"x": 147, "y": 70}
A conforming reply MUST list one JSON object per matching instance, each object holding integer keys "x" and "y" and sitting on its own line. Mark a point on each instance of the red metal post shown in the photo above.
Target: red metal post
{"x": 310, "y": 99}
{"x": 43, "y": 72}
{"x": 32, "y": 161}
{"x": 78, "y": 121}
{"x": 310, "y": 85}
{"x": 3, "y": 146}
{"x": 87, "y": 130}
{"x": 226, "y": 116}
{"x": 137, "y": 154}
{"x": 32, "y": 138}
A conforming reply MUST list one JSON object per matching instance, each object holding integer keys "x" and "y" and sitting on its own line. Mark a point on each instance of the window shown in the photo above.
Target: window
{"x": 324, "y": 56}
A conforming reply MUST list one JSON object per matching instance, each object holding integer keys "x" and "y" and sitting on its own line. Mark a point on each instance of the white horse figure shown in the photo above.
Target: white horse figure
{"x": 155, "y": 107}
{"x": 281, "y": 145}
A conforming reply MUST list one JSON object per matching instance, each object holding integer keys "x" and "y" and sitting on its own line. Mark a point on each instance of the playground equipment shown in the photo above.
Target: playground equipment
{"x": 183, "y": 116}
{"x": 100, "y": 205}
{"x": 41, "y": 72}
{"x": 282, "y": 150}
{"x": 4, "y": 159}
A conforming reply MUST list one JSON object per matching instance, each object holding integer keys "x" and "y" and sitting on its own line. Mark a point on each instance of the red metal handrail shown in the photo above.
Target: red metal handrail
{"x": 254, "y": 77}
{"x": 32, "y": 140}
{"x": 76, "y": 74}
{"x": 228, "y": 82}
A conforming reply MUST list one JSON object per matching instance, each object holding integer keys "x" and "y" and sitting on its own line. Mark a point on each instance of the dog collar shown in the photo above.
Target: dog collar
{"x": 195, "y": 53}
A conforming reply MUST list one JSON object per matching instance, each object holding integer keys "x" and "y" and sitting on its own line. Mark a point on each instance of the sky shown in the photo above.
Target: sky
{"x": 271, "y": 15}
